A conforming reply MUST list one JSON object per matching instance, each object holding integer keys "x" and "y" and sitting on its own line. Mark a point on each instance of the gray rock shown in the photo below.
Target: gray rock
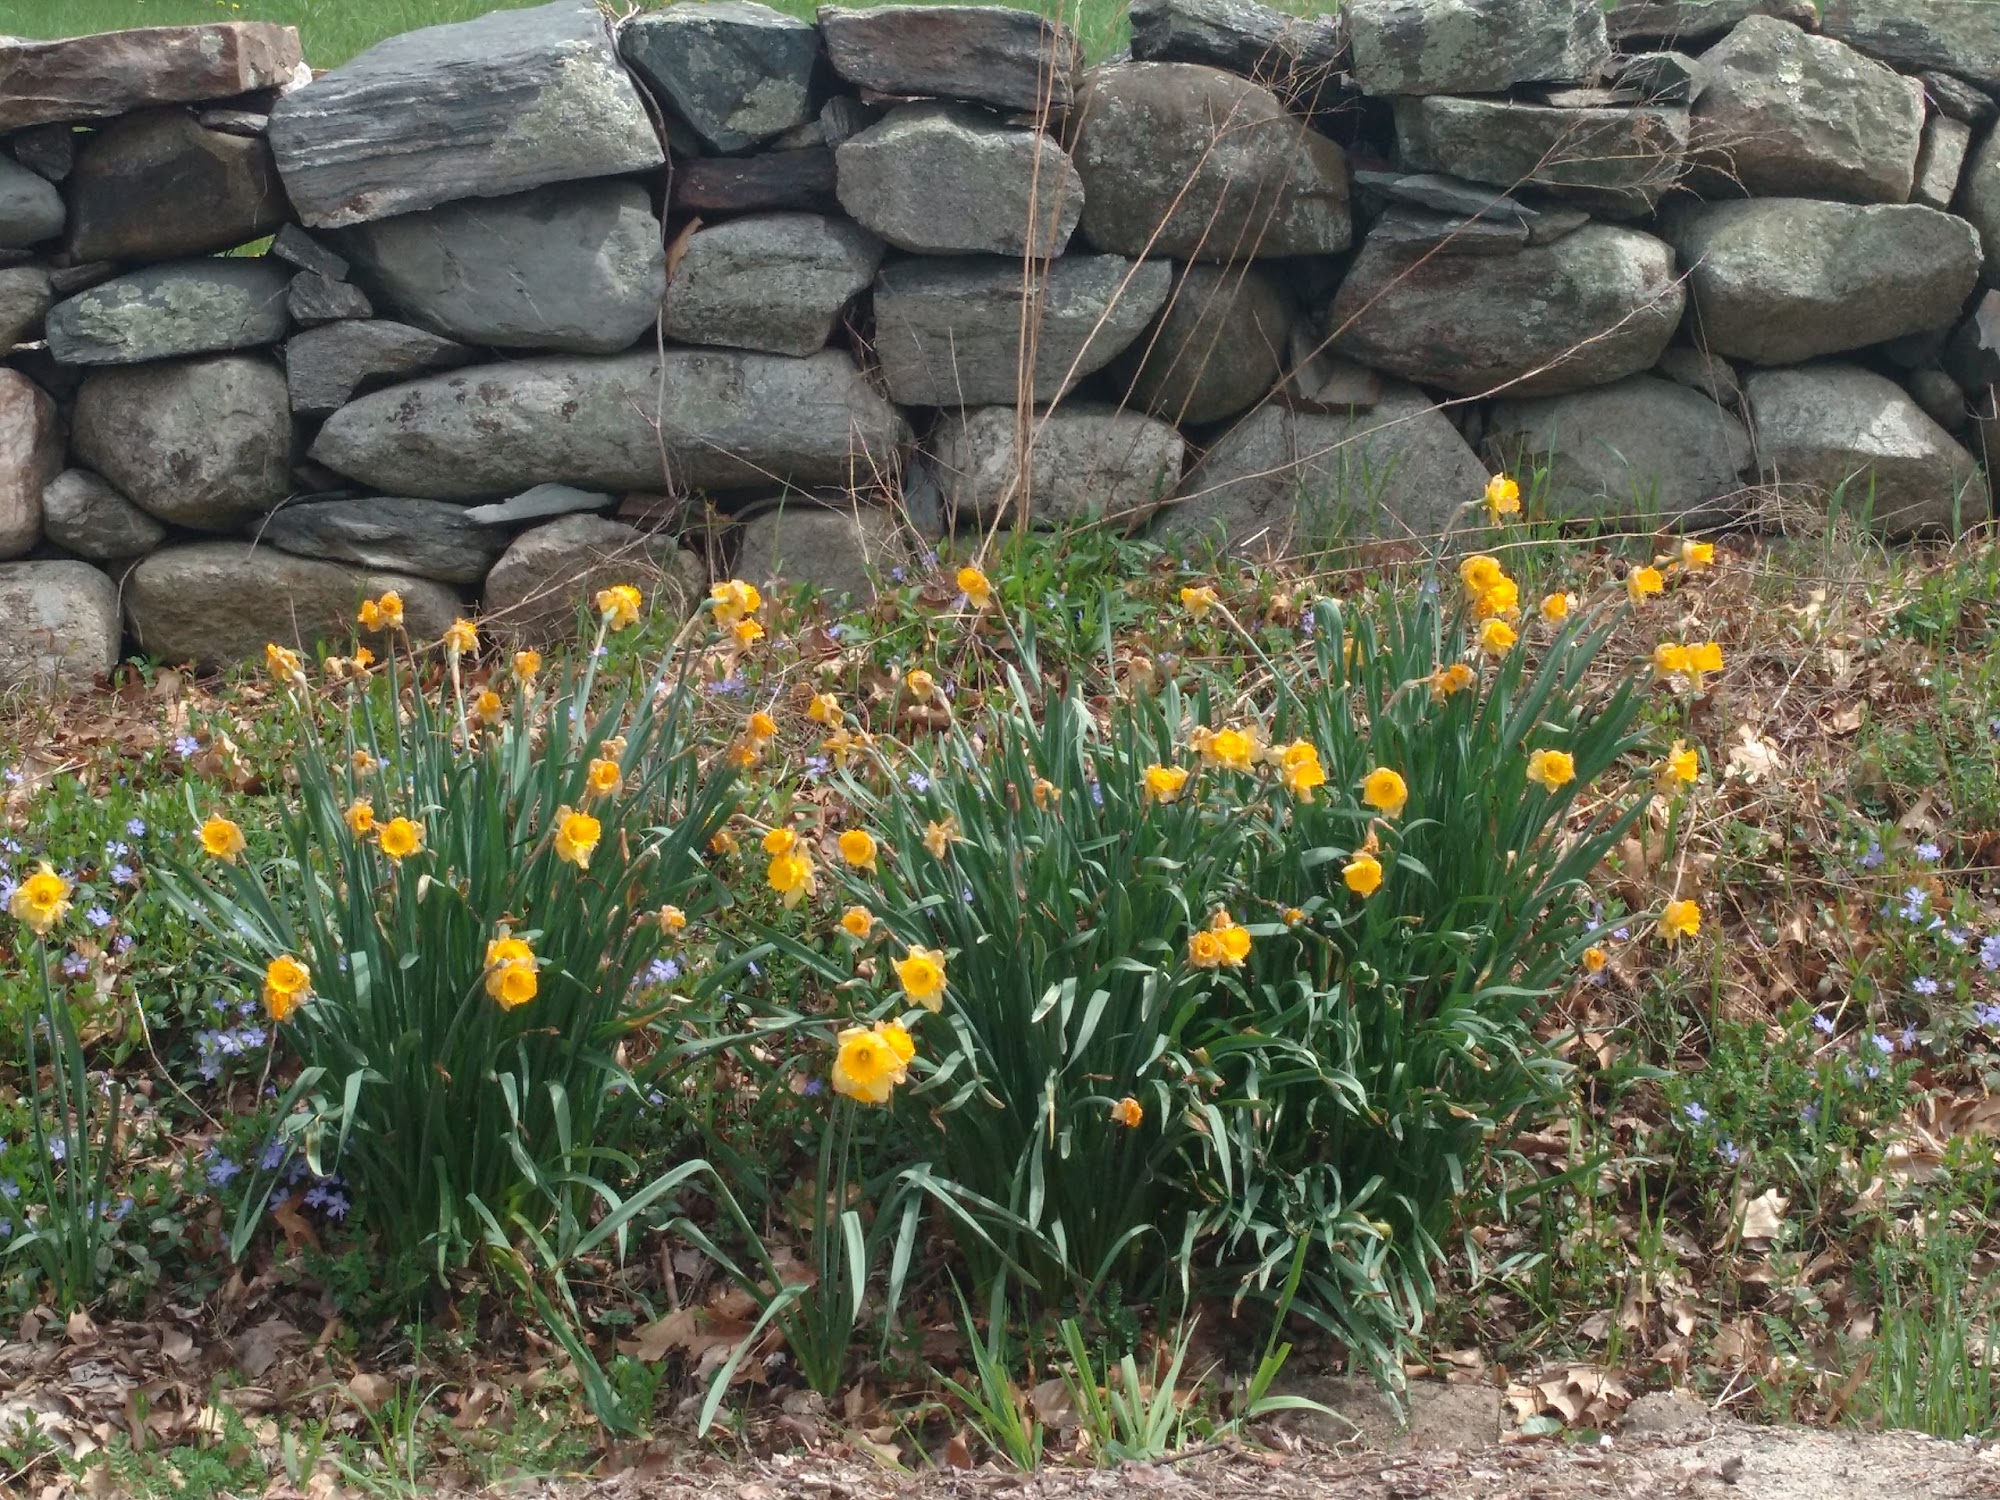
{"x": 1197, "y": 164}
{"x": 31, "y": 453}
{"x": 548, "y": 574}
{"x": 843, "y": 117}
{"x": 46, "y": 150}
{"x": 25, "y": 299}
{"x": 576, "y": 267}
{"x": 1446, "y": 234}
{"x": 837, "y": 552}
{"x": 1595, "y": 306}
{"x": 1435, "y": 1416}
{"x": 1941, "y": 397}
{"x": 313, "y": 299}
{"x": 1662, "y": 77}
{"x": 775, "y": 282}
{"x": 1086, "y": 464}
{"x": 1912, "y": 351}
{"x": 1913, "y": 35}
{"x": 216, "y": 603}
{"x": 1012, "y": 59}
{"x": 250, "y": 123}
{"x": 1617, "y": 161}
{"x": 1217, "y": 347}
{"x": 734, "y": 72}
{"x": 1473, "y": 46}
{"x": 114, "y": 72}
{"x": 67, "y": 281}
{"x": 1794, "y": 115}
{"x": 425, "y": 538}
{"x": 1973, "y": 355}
{"x": 326, "y": 366}
{"x": 295, "y": 247}
{"x": 1947, "y": 142}
{"x": 542, "y": 503}
{"x": 166, "y": 311}
{"x": 1584, "y": 98}
{"x": 202, "y": 443}
{"x": 1286, "y": 481}
{"x": 507, "y": 101}
{"x": 61, "y": 623}
{"x": 941, "y": 179}
{"x": 1832, "y": 430}
{"x": 1699, "y": 370}
{"x": 1778, "y": 280}
{"x": 1958, "y": 99}
{"x": 1692, "y": 23}
{"x": 1640, "y": 452}
{"x": 31, "y": 210}
{"x": 1453, "y": 196}
{"x": 717, "y": 419}
{"x": 1295, "y": 56}
{"x": 156, "y": 186}
{"x": 1979, "y": 200}
{"x": 948, "y": 332}
{"x": 82, "y": 513}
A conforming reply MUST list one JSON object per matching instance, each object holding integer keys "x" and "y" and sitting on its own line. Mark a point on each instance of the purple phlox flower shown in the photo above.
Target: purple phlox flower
{"x": 136, "y": 827}
{"x": 121, "y": 874}
{"x": 898, "y": 575}
{"x": 662, "y": 971}
{"x": 9, "y": 1188}
{"x": 1923, "y": 984}
{"x": 813, "y": 1088}
{"x": 13, "y": 776}
{"x": 115, "y": 850}
{"x": 325, "y": 1196}
{"x": 1908, "y": 1040}
{"x": 1623, "y": 934}
{"x": 816, "y": 766}
{"x": 1872, "y": 860}
{"x": 1728, "y": 1152}
{"x": 1823, "y": 1025}
{"x": 655, "y": 1098}
{"x": 187, "y": 745}
{"x": 12, "y": 846}
{"x": 98, "y": 917}
{"x": 929, "y": 559}
{"x": 221, "y": 1170}
{"x": 6, "y": 1229}
{"x": 122, "y": 944}
{"x": 1809, "y": 1115}
{"x": 833, "y": 632}
{"x": 1872, "y": 1071}
{"x": 1956, "y": 936}
{"x": 726, "y": 687}
{"x": 918, "y": 782}
{"x": 1915, "y": 899}
{"x": 1695, "y": 1113}
{"x": 75, "y": 966}
{"x": 123, "y": 1207}
{"x": 1882, "y": 1044}
{"x": 1929, "y": 853}
{"x": 1986, "y": 1015}
{"x": 58, "y": 1148}
{"x": 1989, "y": 953}
{"x": 273, "y": 1155}
{"x": 1096, "y": 794}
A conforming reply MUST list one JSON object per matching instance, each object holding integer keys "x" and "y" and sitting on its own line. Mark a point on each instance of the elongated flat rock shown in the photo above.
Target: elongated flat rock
{"x": 90, "y": 77}
{"x": 1012, "y": 59}
{"x": 161, "y": 312}
{"x": 325, "y": 366}
{"x": 1960, "y": 37}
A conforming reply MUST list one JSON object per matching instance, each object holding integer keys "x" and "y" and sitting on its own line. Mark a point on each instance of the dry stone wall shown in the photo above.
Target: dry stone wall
{"x": 512, "y": 303}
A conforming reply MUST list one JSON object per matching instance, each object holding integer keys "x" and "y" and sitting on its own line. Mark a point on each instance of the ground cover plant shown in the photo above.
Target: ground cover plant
{"x": 1032, "y": 1016}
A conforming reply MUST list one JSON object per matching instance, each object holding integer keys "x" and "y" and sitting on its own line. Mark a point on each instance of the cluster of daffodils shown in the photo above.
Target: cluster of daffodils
{"x": 736, "y": 604}
{"x": 1234, "y": 748}
{"x": 512, "y": 971}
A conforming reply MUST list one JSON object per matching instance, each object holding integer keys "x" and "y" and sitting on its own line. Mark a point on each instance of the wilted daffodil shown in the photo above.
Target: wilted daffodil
{"x": 576, "y": 837}
{"x": 619, "y": 605}
{"x": 512, "y": 976}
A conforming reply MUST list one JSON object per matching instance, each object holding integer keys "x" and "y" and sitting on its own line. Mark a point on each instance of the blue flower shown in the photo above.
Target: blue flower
{"x": 1986, "y": 1015}
{"x": 1908, "y": 1039}
{"x": 918, "y": 782}
{"x": 136, "y": 827}
{"x": 1929, "y": 853}
{"x": 1923, "y": 984}
{"x": 187, "y": 745}
{"x": 9, "y": 1188}
{"x": 1728, "y": 1152}
{"x": 1695, "y": 1113}
{"x": 75, "y": 966}
{"x": 97, "y": 917}
{"x": 121, "y": 874}
{"x": 1872, "y": 860}
{"x": 1809, "y": 1115}
{"x": 1823, "y": 1025}
{"x": 58, "y": 1148}
{"x": 221, "y": 1170}
{"x": 1914, "y": 901}
{"x": 1882, "y": 1044}
{"x": 1989, "y": 953}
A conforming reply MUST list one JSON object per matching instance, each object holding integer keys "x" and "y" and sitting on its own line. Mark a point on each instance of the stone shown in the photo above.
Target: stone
{"x": 31, "y": 453}
{"x": 837, "y": 552}
{"x": 1446, "y": 234}
{"x": 1662, "y": 77}
{"x": 755, "y": 184}
{"x": 325, "y": 367}
{"x": 31, "y": 210}
{"x": 1595, "y": 306}
{"x": 313, "y": 299}
{"x": 507, "y": 101}
{"x": 542, "y": 503}
{"x": 1788, "y": 114}
{"x": 1473, "y": 46}
{"x": 539, "y": 587}
{"x": 295, "y": 247}
{"x": 217, "y": 603}
{"x": 1979, "y": 200}
{"x": 1828, "y": 431}
{"x": 1633, "y": 24}
{"x": 1672, "y": 1413}
{"x": 432, "y": 539}
{"x": 1086, "y": 465}
{"x": 843, "y": 117}
{"x": 167, "y": 311}
{"x": 82, "y": 513}
{"x": 1435, "y": 1416}
{"x": 1616, "y": 161}
{"x": 61, "y": 623}
{"x": 1444, "y": 195}
{"x": 250, "y": 123}
{"x": 942, "y": 179}
{"x": 1699, "y": 370}
{"x": 1638, "y": 453}
{"x": 576, "y": 267}
{"x": 1958, "y": 99}
{"x": 989, "y": 54}
{"x": 1779, "y": 280}
{"x": 948, "y": 332}
{"x": 1297, "y": 57}
{"x": 1581, "y": 98}
{"x": 46, "y": 150}
{"x": 1197, "y": 164}
{"x": 1284, "y": 481}
{"x": 716, "y": 420}
{"x": 773, "y": 282}
{"x": 1217, "y": 347}
{"x": 1973, "y": 354}
{"x": 25, "y": 299}
{"x": 115, "y": 72}
{"x": 1941, "y": 397}
{"x": 156, "y": 186}
{"x": 1947, "y": 142}
{"x": 200, "y": 443}
{"x": 735, "y": 73}
{"x": 1912, "y": 35}
{"x": 1912, "y": 351}
{"x": 67, "y": 281}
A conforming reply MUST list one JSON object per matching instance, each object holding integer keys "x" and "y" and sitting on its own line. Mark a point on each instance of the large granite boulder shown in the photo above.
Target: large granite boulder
{"x": 1217, "y": 347}
{"x": 1834, "y": 433}
{"x": 31, "y": 210}
{"x": 1778, "y": 280}
{"x": 1593, "y": 307}
{"x": 325, "y": 367}
{"x": 1298, "y": 57}
{"x": 156, "y": 185}
{"x": 504, "y": 102}
{"x": 113, "y": 72}
{"x": 82, "y": 513}
{"x": 172, "y": 310}
{"x": 25, "y": 299}
{"x": 215, "y": 603}
{"x": 549, "y": 573}
{"x": 941, "y": 179}
{"x": 1473, "y": 46}
{"x": 837, "y": 551}
{"x": 58, "y": 622}
{"x": 424, "y": 538}
{"x": 1949, "y": 35}
{"x": 990, "y": 54}
{"x": 31, "y": 453}
{"x": 948, "y": 332}
{"x": 1086, "y": 464}
{"x": 201, "y": 443}
{"x": 1794, "y": 115}
{"x": 1197, "y": 164}
{"x": 775, "y": 282}
{"x": 1642, "y": 452}
{"x": 576, "y": 267}
{"x": 1615, "y": 160}
{"x": 717, "y": 419}
{"x": 734, "y": 72}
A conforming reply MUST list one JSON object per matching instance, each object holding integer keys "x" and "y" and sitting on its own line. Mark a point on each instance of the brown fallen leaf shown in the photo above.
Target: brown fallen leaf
{"x": 369, "y": 1389}
{"x": 958, "y": 1452}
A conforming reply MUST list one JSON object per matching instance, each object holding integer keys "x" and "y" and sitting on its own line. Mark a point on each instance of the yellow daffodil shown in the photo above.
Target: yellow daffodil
{"x": 791, "y": 875}
{"x": 939, "y": 837}
{"x": 1232, "y": 749}
{"x": 286, "y": 983}
{"x": 744, "y": 753}
{"x": 40, "y": 901}
{"x": 1594, "y": 960}
{"x": 1234, "y": 935}
{"x": 1705, "y": 657}
{"x": 1555, "y": 608}
{"x": 1681, "y": 767}
{"x": 1205, "y": 950}
{"x": 1642, "y": 584}
{"x": 781, "y": 841}
{"x": 385, "y": 613}
{"x": 921, "y": 684}
{"x": 619, "y": 606}
{"x": 722, "y": 842}
{"x": 868, "y": 1065}
{"x": 1046, "y": 794}
{"x": 511, "y": 971}
{"x": 461, "y": 637}
{"x": 1164, "y": 783}
{"x": 747, "y": 632}
{"x": 1385, "y": 791}
{"x": 1292, "y": 916}
{"x": 1503, "y": 498}
{"x": 734, "y": 602}
{"x": 369, "y": 616}
{"x": 1199, "y": 601}
{"x": 1670, "y": 659}
{"x": 920, "y": 972}
{"x": 488, "y": 708}
{"x": 1696, "y": 556}
{"x": 526, "y": 665}
{"x": 673, "y": 920}
{"x": 1300, "y": 770}
{"x": 1551, "y": 769}
{"x": 360, "y": 816}
{"x": 1363, "y": 874}
{"x": 400, "y": 838}
{"x": 976, "y": 586}
{"x": 857, "y": 922}
{"x": 576, "y": 837}
{"x": 222, "y": 839}
{"x": 1455, "y": 678}
{"x": 1502, "y": 600}
{"x": 1680, "y": 919}
{"x": 1480, "y": 572}
{"x": 604, "y": 779}
{"x": 1128, "y": 1112}
{"x": 824, "y": 709}
{"x": 283, "y": 664}
{"x": 857, "y": 847}
{"x": 1497, "y": 637}
{"x": 761, "y": 726}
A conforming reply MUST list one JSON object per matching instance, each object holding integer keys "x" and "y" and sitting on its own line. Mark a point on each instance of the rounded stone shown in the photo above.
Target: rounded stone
{"x": 1217, "y": 347}
{"x": 83, "y": 514}
{"x": 58, "y": 622}
{"x": 541, "y": 585}
{"x": 30, "y": 456}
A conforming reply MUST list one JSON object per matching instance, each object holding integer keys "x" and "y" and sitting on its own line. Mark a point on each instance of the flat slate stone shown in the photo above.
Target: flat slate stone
{"x": 324, "y": 367}
{"x": 166, "y": 311}
{"x": 1011, "y": 59}
{"x": 775, "y": 282}
{"x": 1615, "y": 161}
{"x": 542, "y": 503}
{"x": 244, "y": 122}
{"x": 477, "y": 109}
{"x": 1961, "y": 37}
{"x": 313, "y": 299}
{"x": 734, "y": 72}
{"x": 156, "y": 186}
{"x": 1448, "y": 234}
{"x": 113, "y": 72}
{"x": 61, "y": 623}
{"x": 425, "y": 538}
{"x": 82, "y": 513}
{"x": 1957, "y": 98}
{"x": 1296, "y": 57}
{"x": 1693, "y": 23}
{"x": 1473, "y": 46}
{"x": 802, "y": 179}
{"x": 295, "y": 247}
{"x": 1947, "y": 143}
